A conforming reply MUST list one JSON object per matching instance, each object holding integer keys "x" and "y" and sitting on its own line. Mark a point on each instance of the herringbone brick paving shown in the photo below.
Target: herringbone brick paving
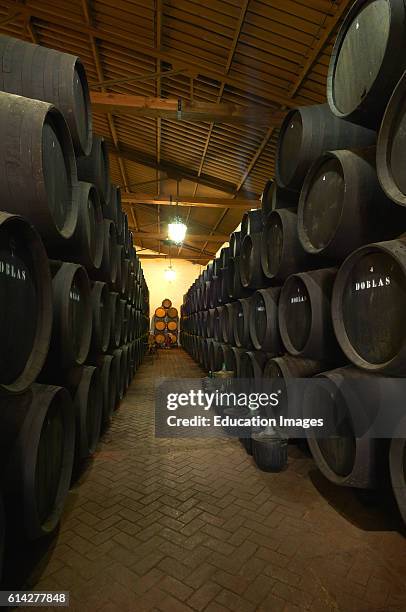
{"x": 192, "y": 525}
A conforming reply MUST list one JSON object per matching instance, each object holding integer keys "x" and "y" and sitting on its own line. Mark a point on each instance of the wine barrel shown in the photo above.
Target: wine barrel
{"x": 160, "y": 312}
{"x": 125, "y": 368}
{"x": 252, "y": 276}
{"x": 358, "y": 211}
{"x": 235, "y": 244}
{"x": 101, "y": 327}
{"x": 26, "y": 298}
{"x": 235, "y": 288}
{"x": 124, "y": 321}
{"x": 276, "y": 197}
{"x": 372, "y": 39}
{"x": 116, "y": 322}
{"x": 108, "y": 383}
{"x": 172, "y": 326}
{"x": 217, "y": 331}
{"x": 44, "y": 74}
{"x": 173, "y": 338}
{"x": 215, "y": 357}
{"x": 88, "y": 404}
{"x": 368, "y": 305}
{"x": 108, "y": 268}
{"x": 86, "y": 245}
{"x": 226, "y": 324}
{"x": 305, "y": 315}
{"x": 120, "y": 256}
{"x": 119, "y": 364}
{"x": 166, "y": 303}
{"x": 210, "y": 323}
{"x": 72, "y": 320}
{"x": 280, "y": 370}
{"x": 398, "y": 472}
{"x": 263, "y": 321}
{"x": 251, "y": 222}
{"x": 241, "y": 323}
{"x": 37, "y": 450}
{"x": 94, "y": 168}
{"x": 116, "y": 212}
{"x": 344, "y": 459}
{"x": 172, "y": 313}
{"x": 252, "y": 364}
{"x": 2, "y": 534}
{"x": 306, "y": 133}
{"x": 37, "y": 167}
{"x": 282, "y": 253}
{"x": 233, "y": 363}
{"x": 125, "y": 277}
{"x": 160, "y": 326}
{"x": 391, "y": 146}
{"x": 160, "y": 339}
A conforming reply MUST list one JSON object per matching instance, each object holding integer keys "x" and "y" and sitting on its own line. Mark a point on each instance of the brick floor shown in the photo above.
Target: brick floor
{"x": 192, "y": 525}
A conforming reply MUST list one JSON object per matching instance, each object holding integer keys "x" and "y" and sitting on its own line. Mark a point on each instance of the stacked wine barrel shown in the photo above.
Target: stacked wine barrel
{"x": 314, "y": 284}
{"x": 75, "y": 316}
{"x": 166, "y": 324}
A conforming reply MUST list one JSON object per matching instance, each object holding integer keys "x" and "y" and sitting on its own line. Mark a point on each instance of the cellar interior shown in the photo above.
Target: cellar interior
{"x": 203, "y": 298}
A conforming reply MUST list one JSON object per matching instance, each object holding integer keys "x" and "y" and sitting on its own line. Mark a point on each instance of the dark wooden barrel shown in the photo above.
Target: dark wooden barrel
{"x": 116, "y": 321}
{"x": 119, "y": 364}
{"x": 101, "y": 326}
{"x": 86, "y": 245}
{"x": 120, "y": 257}
{"x": 217, "y": 329}
{"x": 172, "y": 313}
{"x": 26, "y": 298}
{"x": 306, "y": 133}
{"x": 124, "y": 321}
{"x": 367, "y": 61}
{"x": 95, "y": 168}
{"x": 252, "y": 364}
{"x": 210, "y": 323}
{"x": 358, "y": 212}
{"x": 116, "y": 211}
{"x": 233, "y": 363}
{"x": 88, "y": 403}
{"x": 252, "y": 276}
{"x": 235, "y": 288}
{"x": 282, "y": 253}
{"x": 398, "y": 472}
{"x": 263, "y": 321}
{"x": 241, "y": 323}
{"x": 37, "y": 449}
{"x": 72, "y": 320}
{"x": 235, "y": 244}
{"x": 368, "y": 307}
{"x": 251, "y": 222}
{"x": 215, "y": 356}
{"x": 2, "y": 534}
{"x": 37, "y": 166}
{"x": 226, "y": 324}
{"x": 280, "y": 370}
{"x": 305, "y": 315}
{"x": 276, "y": 197}
{"x": 124, "y": 367}
{"x": 344, "y": 459}
{"x": 166, "y": 303}
{"x": 108, "y": 268}
{"x": 44, "y": 74}
{"x": 125, "y": 277}
{"x": 391, "y": 146}
{"x": 108, "y": 382}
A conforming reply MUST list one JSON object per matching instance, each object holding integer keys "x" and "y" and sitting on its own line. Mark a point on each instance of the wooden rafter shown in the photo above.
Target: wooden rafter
{"x": 178, "y": 110}
{"x": 206, "y": 202}
{"x": 176, "y": 58}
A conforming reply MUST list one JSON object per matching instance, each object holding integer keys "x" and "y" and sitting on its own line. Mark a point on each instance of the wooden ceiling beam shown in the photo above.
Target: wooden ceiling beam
{"x": 321, "y": 43}
{"x": 206, "y": 202}
{"x": 177, "y": 257}
{"x": 172, "y": 170}
{"x": 177, "y": 59}
{"x": 189, "y": 237}
{"x": 180, "y": 110}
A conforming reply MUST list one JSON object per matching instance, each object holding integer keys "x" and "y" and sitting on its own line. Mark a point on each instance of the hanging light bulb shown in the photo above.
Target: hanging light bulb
{"x": 177, "y": 230}
{"x": 170, "y": 274}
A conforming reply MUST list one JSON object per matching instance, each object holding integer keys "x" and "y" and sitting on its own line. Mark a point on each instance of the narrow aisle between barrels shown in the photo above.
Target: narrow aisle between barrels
{"x": 177, "y": 525}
